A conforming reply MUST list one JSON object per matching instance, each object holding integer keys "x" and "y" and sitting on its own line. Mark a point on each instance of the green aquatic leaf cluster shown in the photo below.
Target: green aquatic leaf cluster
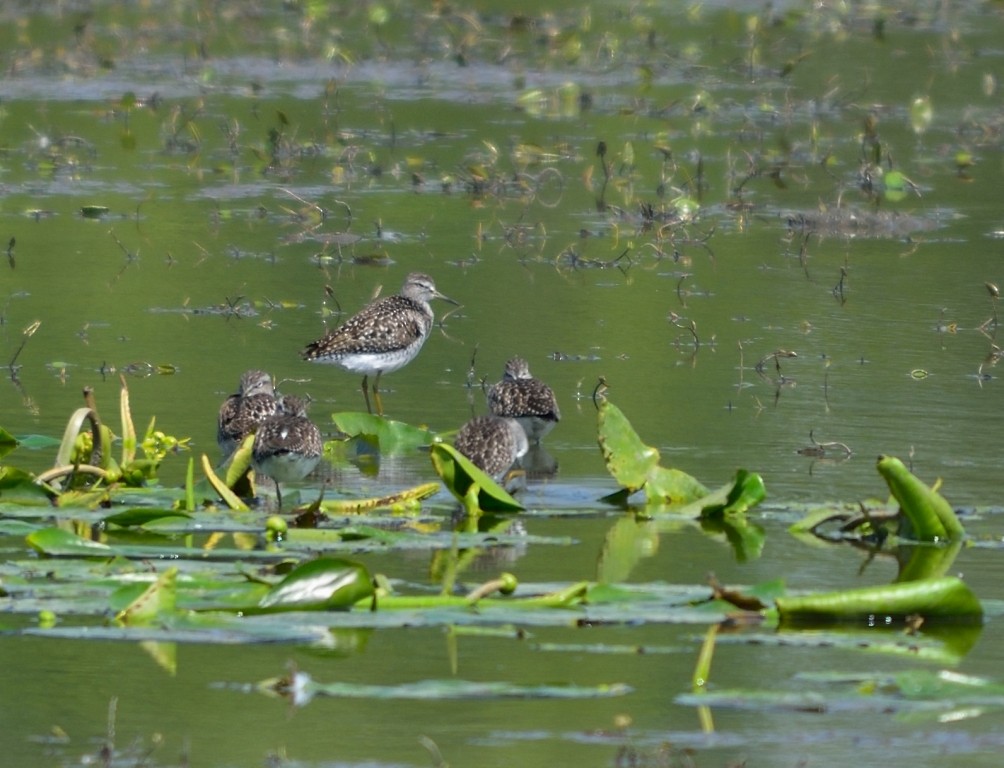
{"x": 636, "y": 467}
{"x": 669, "y": 491}
{"x": 245, "y": 577}
{"x": 86, "y": 470}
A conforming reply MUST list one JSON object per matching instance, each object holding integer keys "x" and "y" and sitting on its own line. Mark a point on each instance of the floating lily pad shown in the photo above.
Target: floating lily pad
{"x": 33, "y": 442}
{"x": 933, "y": 695}
{"x": 144, "y": 516}
{"x": 301, "y": 688}
{"x": 932, "y": 600}
{"x": 321, "y": 584}
{"x": 390, "y": 436}
{"x": 56, "y": 542}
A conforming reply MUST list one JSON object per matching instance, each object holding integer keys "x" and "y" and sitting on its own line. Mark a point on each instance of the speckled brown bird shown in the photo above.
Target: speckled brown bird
{"x": 493, "y": 444}
{"x": 243, "y": 411}
{"x": 287, "y": 445}
{"x": 384, "y": 336}
{"x": 528, "y": 400}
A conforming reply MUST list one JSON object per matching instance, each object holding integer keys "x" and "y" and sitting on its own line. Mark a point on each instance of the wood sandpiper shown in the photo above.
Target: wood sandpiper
{"x": 287, "y": 445}
{"x": 242, "y": 412}
{"x": 493, "y": 444}
{"x": 384, "y": 336}
{"x": 528, "y": 400}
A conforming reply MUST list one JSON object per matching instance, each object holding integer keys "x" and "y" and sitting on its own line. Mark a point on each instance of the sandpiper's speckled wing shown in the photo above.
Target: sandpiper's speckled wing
{"x": 523, "y": 397}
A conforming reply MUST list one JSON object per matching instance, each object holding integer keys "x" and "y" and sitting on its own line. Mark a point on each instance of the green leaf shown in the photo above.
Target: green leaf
{"x": 94, "y": 211}
{"x": 672, "y": 486}
{"x": 408, "y": 499}
{"x": 927, "y": 516}
{"x": 573, "y": 595}
{"x": 323, "y": 584}
{"x": 635, "y": 465}
{"x": 16, "y": 484}
{"x": 943, "y": 643}
{"x": 56, "y": 542}
{"x": 7, "y": 442}
{"x": 745, "y": 492}
{"x": 228, "y": 496}
{"x": 128, "y": 429}
{"x": 190, "y": 485}
{"x": 390, "y": 436}
{"x": 948, "y": 598}
{"x": 461, "y": 478}
{"x": 64, "y": 456}
{"x": 240, "y": 463}
{"x": 628, "y": 459}
{"x": 154, "y": 603}
{"x": 143, "y": 516}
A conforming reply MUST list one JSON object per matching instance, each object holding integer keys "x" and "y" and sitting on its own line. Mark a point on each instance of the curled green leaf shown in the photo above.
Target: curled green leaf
{"x": 464, "y": 481}
{"x": 944, "y": 599}
{"x": 927, "y": 516}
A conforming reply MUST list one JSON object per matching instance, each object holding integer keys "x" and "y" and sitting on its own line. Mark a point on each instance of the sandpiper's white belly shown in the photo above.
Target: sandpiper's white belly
{"x": 368, "y": 363}
{"x": 284, "y": 467}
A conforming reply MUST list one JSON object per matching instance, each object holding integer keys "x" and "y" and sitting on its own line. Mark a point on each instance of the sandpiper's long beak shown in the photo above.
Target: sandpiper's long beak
{"x": 446, "y": 298}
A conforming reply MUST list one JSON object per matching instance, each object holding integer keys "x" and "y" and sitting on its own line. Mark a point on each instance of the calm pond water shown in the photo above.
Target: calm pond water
{"x": 190, "y": 190}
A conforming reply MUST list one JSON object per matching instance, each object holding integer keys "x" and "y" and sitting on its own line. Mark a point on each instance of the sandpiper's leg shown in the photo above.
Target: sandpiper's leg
{"x": 278, "y": 497}
{"x": 514, "y": 480}
{"x": 376, "y": 394}
{"x": 366, "y": 394}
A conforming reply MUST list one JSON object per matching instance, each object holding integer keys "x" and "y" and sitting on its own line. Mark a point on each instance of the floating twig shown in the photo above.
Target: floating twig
{"x": 599, "y": 392}
{"x": 26, "y": 334}
{"x": 838, "y": 289}
{"x": 776, "y": 356}
{"x": 819, "y": 450}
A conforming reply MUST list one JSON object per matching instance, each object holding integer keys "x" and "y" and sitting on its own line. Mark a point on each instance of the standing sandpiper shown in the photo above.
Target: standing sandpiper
{"x": 492, "y": 444}
{"x": 383, "y": 337}
{"x": 528, "y": 400}
{"x": 287, "y": 446}
{"x": 241, "y": 413}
